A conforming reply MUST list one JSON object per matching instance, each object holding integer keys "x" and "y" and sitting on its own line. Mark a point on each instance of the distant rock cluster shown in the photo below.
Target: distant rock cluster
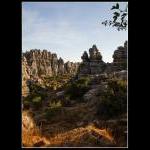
{"x": 93, "y": 63}
{"x": 42, "y": 63}
{"x": 37, "y": 64}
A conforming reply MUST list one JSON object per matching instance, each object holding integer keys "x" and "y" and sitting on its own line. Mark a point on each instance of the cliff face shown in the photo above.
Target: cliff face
{"x": 25, "y": 77}
{"x": 37, "y": 64}
{"x": 44, "y": 63}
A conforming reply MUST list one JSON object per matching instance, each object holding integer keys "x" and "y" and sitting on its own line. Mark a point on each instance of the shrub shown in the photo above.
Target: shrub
{"x": 114, "y": 101}
{"x": 26, "y": 104}
{"x": 36, "y": 99}
{"x": 53, "y": 109}
{"x": 51, "y": 112}
{"x": 78, "y": 88}
{"x": 34, "y": 88}
{"x": 66, "y": 102}
{"x": 55, "y": 104}
{"x": 37, "y": 102}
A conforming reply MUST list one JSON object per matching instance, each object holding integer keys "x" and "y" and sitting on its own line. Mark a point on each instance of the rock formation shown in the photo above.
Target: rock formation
{"x": 85, "y": 57}
{"x": 25, "y": 77}
{"x": 120, "y": 58}
{"x": 61, "y": 69}
{"x": 71, "y": 67}
{"x": 43, "y": 63}
{"x": 37, "y": 64}
{"x": 92, "y": 64}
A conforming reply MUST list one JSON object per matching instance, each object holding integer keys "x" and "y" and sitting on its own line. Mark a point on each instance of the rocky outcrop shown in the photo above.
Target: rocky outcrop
{"x": 37, "y": 64}
{"x": 92, "y": 64}
{"x": 44, "y": 63}
{"x": 61, "y": 69}
{"x": 120, "y": 58}
{"x": 25, "y": 77}
{"x": 71, "y": 67}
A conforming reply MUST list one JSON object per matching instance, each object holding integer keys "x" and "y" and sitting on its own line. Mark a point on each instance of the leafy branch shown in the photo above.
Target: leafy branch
{"x": 119, "y": 18}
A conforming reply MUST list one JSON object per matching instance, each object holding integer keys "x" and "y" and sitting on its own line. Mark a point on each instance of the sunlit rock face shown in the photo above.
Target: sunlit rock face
{"x": 27, "y": 121}
{"x": 44, "y": 63}
{"x": 25, "y": 77}
{"x": 71, "y": 68}
{"x": 37, "y": 64}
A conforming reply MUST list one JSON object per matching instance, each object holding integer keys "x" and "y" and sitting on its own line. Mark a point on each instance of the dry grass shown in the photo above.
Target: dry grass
{"x": 82, "y": 137}
{"x": 64, "y": 133}
{"x": 31, "y": 134}
{"x": 102, "y": 132}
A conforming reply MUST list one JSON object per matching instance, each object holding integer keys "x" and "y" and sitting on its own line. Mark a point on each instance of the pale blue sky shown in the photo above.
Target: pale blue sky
{"x": 69, "y": 28}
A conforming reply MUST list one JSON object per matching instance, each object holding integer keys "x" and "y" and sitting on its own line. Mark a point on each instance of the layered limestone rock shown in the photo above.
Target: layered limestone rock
{"x": 44, "y": 63}
{"x": 40, "y": 62}
{"x": 61, "y": 69}
{"x": 92, "y": 64}
{"x": 37, "y": 64}
{"x": 25, "y": 77}
{"x": 71, "y": 67}
{"x": 109, "y": 67}
{"x": 120, "y": 58}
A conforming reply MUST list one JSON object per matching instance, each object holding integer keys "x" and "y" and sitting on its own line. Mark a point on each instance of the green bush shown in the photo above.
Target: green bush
{"x": 37, "y": 102}
{"x": 66, "y": 102}
{"x": 55, "y": 104}
{"x": 26, "y": 104}
{"x": 34, "y": 88}
{"x": 114, "y": 101}
{"x": 78, "y": 88}
{"x": 53, "y": 109}
{"x": 36, "y": 99}
{"x": 51, "y": 112}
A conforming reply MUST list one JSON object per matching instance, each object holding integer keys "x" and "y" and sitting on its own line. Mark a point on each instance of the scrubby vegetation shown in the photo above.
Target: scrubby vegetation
{"x": 78, "y": 88}
{"x": 33, "y": 101}
{"x": 51, "y": 112}
{"x": 56, "y": 82}
{"x": 62, "y": 117}
{"x": 114, "y": 100}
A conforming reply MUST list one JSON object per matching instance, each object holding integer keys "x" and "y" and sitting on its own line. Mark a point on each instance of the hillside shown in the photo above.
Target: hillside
{"x": 81, "y": 106}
